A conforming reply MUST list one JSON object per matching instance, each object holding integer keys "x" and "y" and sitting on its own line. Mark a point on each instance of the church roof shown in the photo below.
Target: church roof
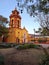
{"x": 15, "y": 13}
{"x": 15, "y": 10}
{"x": 25, "y": 29}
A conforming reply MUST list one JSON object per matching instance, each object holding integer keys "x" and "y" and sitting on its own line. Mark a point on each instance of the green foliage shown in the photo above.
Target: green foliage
{"x": 5, "y": 46}
{"x": 45, "y": 58}
{"x": 45, "y": 31}
{"x": 36, "y": 8}
{"x": 33, "y": 7}
{"x": 3, "y": 29}
{"x": 40, "y": 5}
{"x": 41, "y": 40}
{"x": 28, "y": 46}
{"x": 3, "y": 21}
{"x": 1, "y": 60}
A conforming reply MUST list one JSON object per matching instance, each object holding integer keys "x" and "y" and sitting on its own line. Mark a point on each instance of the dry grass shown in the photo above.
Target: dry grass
{"x": 21, "y": 57}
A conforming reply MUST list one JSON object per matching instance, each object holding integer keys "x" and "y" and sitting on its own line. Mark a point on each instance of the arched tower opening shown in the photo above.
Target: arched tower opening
{"x": 15, "y": 19}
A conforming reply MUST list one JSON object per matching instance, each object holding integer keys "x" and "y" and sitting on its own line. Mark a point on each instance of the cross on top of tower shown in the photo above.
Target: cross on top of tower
{"x": 15, "y": 8}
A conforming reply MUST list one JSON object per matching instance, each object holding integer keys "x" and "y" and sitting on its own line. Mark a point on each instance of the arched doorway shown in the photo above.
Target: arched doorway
{"x": 17, "y": 40}
{"x": 4, "y": 39}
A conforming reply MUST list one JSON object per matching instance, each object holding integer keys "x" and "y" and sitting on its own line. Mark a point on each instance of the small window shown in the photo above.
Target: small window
{"x": 12, "y": 22}
{"x": 18, "y": 23}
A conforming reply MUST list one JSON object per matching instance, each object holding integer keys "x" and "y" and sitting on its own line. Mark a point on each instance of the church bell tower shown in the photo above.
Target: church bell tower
{"x": 15, "y": 19}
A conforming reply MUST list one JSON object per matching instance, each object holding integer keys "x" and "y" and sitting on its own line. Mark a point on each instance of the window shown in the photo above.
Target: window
{"x": 12, "y": 22}
{"x": 18, "y": 23}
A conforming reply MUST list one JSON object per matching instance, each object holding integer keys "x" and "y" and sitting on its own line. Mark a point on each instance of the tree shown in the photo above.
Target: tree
{"x": 44, "y": 23}
{"x": 3, "y": 28}
{"x": 44, "y": 20}
{"x": 39, "y": 8}
{"x": 45, "y": 31}
{"x": 3, "y": 21}
{"x": 32, "y": 6}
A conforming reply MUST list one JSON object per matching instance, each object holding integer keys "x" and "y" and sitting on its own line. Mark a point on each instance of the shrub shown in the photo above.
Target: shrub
{"x": 40, "y": 40}
{"x": 45, "y": 58}
{"x": 27, "y": 46}
{"x": 1, "y": 60}
{"x": 5, "y": 45}
{"x": 22, "y": 47}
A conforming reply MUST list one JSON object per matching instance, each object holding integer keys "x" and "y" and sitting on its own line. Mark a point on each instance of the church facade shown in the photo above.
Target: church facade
{"x": 16, "y": 33}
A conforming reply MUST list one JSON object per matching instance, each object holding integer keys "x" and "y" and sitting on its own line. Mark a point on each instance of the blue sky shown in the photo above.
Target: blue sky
{"x": 30, "y": 23}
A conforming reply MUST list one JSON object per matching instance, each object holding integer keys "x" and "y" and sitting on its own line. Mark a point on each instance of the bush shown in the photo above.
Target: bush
{"x": 27, "y": 46}
{"x": 22, "y": 47}
{"x": 45, "y": 58}
{"x": 5, "y": 45}
{"x": 1, "y": 60}
{"x": 42, "y": 40}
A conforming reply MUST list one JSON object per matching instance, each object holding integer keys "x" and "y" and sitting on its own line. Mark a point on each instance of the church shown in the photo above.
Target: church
{"x": 16, "y": 33}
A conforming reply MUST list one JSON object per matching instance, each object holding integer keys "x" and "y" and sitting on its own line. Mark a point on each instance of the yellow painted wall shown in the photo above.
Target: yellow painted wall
{"x": 11, "y": 36}
{"x": 17, "y": 33}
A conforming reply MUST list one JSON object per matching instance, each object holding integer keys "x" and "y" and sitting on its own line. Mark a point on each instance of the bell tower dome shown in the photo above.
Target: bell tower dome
{"x": 15, "y": 19}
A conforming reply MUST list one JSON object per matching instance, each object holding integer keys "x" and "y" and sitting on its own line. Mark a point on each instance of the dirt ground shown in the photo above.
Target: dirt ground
{"x": 12, "y": 56}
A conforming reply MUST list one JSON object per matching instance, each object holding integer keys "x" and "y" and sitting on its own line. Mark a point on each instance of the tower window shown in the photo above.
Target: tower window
{"x": 18, "y": 23}
{"x": 12, "y": 22}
